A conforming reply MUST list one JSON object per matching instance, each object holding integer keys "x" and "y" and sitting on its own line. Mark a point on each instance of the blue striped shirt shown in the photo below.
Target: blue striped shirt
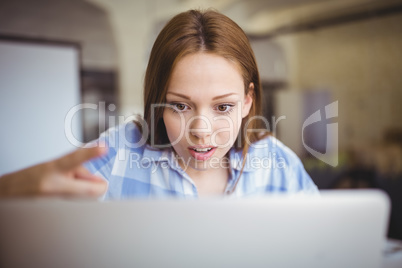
{"x": 134, "y": 169}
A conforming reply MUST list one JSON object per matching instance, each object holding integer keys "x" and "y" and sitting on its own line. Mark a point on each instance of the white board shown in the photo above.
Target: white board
{"x": 39, "y": 84}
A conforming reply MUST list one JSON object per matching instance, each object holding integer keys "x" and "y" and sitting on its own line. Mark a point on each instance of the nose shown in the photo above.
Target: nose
{"x": 200, "y": 127}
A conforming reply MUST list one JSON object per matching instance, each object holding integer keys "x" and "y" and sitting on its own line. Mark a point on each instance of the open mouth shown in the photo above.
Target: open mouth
{"x": 202, "y": 150}
{"x": 202, "y": 153}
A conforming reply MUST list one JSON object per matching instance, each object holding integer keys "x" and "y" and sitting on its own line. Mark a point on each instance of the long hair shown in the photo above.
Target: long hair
{"x": 200, "y": 31}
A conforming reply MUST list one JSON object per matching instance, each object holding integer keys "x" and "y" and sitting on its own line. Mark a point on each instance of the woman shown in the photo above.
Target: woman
{"x": 202, "y": 131}
{"x": 201, "y": 134}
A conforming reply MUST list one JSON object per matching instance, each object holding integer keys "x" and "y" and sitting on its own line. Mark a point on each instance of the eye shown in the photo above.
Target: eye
{"x": 222, "y": 108}
{"x": 178, "y": 107}
{"x": 225, "y": 108}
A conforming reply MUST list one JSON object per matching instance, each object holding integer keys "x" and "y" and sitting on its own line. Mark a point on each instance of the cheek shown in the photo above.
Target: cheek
{"x": 173, "y": 126}
{"x": 237, "y": 125}
{"x": 236, "y": 117}
{"x": 229, "y": 127}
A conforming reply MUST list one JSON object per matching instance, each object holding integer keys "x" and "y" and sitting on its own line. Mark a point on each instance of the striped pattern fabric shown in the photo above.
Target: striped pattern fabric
{"x": 136, "y": 170}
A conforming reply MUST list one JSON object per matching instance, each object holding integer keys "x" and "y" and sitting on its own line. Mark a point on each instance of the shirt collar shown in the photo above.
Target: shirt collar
{"x": 236, "y": 160}
{"x": 161, "y": 155}
{"x": 155, "y": 155}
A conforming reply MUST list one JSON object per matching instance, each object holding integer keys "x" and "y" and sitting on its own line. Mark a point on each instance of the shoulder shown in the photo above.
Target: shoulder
{"x": 121, "y": 142}
{"x": 273, "y": 148}
{"x": 123, "y": 134}
{"x": 286, "y": 167}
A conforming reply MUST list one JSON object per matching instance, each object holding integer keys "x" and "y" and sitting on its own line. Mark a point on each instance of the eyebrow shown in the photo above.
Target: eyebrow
{"x": 188, "y": 98}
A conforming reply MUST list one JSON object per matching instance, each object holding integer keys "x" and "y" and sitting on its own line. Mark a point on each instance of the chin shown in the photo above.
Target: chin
{"x": 199, "y": 165}
{"x": 198, "y": 168}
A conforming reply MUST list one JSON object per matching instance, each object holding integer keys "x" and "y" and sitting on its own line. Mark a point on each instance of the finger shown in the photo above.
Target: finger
{"x": 78, "y": 157}
{"x": 81, "y": 188}
{"x": 82, "y": 173}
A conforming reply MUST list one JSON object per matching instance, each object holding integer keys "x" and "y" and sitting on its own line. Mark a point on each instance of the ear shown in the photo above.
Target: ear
{"x": 248, "y": 100}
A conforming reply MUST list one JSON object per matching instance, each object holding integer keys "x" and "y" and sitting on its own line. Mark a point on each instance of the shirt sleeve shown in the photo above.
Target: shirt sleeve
{"x": 101, "y": 166}
{"x": 295, "y": 177}
{"x": 304, "y": 181}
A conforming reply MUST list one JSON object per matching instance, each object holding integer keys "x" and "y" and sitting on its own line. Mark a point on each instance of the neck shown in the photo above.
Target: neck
{"x": 211, "y": 181}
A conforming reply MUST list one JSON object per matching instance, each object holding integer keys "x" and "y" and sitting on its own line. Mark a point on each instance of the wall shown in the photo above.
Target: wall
{"x": 361, "y": 64}
{"x": 71, "y": 20}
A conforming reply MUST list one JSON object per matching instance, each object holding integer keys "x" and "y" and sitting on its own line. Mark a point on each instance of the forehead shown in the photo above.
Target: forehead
{"x": 206, "y": 73}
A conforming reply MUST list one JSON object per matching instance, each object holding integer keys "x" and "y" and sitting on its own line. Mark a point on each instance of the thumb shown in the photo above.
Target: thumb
{"x": 78, "y": 157}
{"x": 81, "y": 188}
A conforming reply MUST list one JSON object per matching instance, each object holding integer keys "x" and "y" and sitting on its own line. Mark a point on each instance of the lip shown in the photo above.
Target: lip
{"x": 201, "y": 156}
{"x": 201, "y": 146}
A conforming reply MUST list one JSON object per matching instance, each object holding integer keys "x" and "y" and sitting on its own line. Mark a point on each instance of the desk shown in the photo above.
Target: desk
{"x": 392, "y": 254}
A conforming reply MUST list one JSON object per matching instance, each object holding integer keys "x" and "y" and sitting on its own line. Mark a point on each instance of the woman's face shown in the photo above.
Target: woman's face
{"x": 206, "y": 104}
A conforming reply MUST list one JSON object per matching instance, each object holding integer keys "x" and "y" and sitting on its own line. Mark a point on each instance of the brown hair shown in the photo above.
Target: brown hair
{"x": 199, "y": 31}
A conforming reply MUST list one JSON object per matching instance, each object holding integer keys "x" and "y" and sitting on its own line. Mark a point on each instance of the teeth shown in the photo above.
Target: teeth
{"x": 202, "y": 149}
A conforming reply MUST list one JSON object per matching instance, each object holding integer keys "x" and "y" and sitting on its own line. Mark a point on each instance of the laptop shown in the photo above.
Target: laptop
{"x": 337, "y": 229}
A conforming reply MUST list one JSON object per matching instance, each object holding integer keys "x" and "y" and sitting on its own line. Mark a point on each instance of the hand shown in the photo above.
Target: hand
{"x": 65, "y": 177}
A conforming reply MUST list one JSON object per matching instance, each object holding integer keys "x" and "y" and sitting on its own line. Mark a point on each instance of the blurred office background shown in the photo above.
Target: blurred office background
{"x": 311, "y": 54}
